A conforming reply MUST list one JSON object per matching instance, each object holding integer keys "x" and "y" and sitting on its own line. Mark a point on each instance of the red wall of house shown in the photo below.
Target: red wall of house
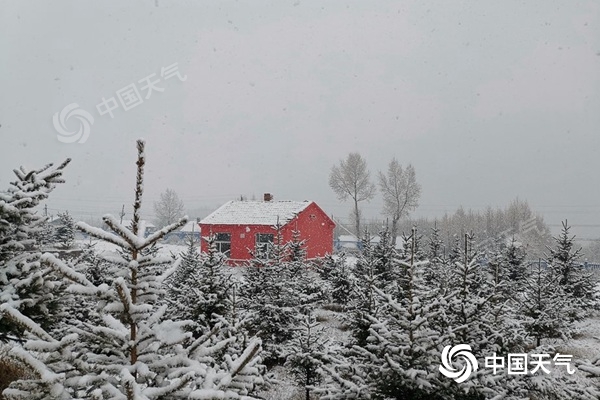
{"x": 314, "y": 226}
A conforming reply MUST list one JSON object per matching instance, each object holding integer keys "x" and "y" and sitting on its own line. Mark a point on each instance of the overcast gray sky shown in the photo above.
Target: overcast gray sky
{"x": 489, "y": 100}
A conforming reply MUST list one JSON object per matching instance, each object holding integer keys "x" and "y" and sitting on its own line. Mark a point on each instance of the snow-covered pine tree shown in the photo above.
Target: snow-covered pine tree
{"x": 419, "y": 253}
{"x": 327, "y": 265}
{"x": 384, "y": 253}
{"x": 411, "y": 253}
{"x": 437, "y": 273}
{"x": 364, "y": 303}
{"x": 592, "y": 369}
{"x": 342, "y": 377}
{"x": 25, "y": 285}
{"x": 435, "y": 243}
{"x": 470, "y": 317}
{"x": 303, "y": 284}
{"x": 543, "y": 304}
{"x": 304, "y": 289}
{"x": 576, "y": 282}
{"x": 45, "y": 235}
{"x": 73, "y": 309}
{"x": 340, "y": 279}
{"x": 201, "y": 277}
{"x": 278, "y": 251}
{"x": 505, "y": 279}
{"x": 65, "y": 231}
{"x": 271, "y": 311}
{"x": 455, "y": 254}
{"x": 308, "y": 351}
{"x": 469, "y": 304}
{"x": 514, "y": 256}
{"x": 402, "y": 354}
{"x": 134, "y": 353}
{"x": 297, "y": 247}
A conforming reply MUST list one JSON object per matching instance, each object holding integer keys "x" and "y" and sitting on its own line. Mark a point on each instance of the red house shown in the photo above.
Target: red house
{"x": 245, "y": 227}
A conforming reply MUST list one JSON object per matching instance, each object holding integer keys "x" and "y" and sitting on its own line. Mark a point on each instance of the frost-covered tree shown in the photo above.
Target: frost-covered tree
{"x": 45, "y": 235}
{"x": 276, "y": 290}
{"x": 543, "y": 303}
{"x": 364, "y": 303}
{"x": 308, "y": 350}
{"x": 65, "y": 231}
{"x": 435, "y": 244}
{"x": 402, "y": 352}
{"x": 26, "y": 285}
{"x": 384, "y": 253}
{"x": 473, "y": 309}
{"x": 133, "y": 352}
{"x": 340, "y": 279}
{"x": 203, "y": 278}
{"x": 400, "y": 192}
{"x": 508, "y": 269}
{"x": 73, "y": 309}
{"x": 168, "y": 208}
{"x": 297, "y": 247}
{"x": 352, "y": 179}
{"x": 437, "y": 273}
{"x": 514, "y": 257}
{"x": 271, "y": 310}
{"x": 576, "y": 282}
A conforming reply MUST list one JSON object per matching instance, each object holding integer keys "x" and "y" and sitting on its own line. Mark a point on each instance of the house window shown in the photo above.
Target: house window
{"x": 264, "y": 242}
{"x": 223, "y": 243}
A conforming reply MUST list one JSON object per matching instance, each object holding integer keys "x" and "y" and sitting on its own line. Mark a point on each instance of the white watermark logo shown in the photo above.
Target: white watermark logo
{"x": 129, "y": 97}
{"x": 470, "y": 362}
{"x": 84, "y": 118}
{"x": 513, "y": 364}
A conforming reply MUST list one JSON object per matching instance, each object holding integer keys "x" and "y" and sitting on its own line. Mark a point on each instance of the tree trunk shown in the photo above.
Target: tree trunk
{"x": 394, "y": 232}
{"x": 357, "y": 218}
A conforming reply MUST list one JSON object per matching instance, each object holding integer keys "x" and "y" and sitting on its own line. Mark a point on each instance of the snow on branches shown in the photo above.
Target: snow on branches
{"x": 131, "y": 350}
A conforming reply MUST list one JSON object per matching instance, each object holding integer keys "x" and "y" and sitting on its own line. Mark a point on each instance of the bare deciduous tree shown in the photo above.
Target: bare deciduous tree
{"x": 400, "y": 192}
{"x": 352, "y": 179}
{"x": 168, "y": 208}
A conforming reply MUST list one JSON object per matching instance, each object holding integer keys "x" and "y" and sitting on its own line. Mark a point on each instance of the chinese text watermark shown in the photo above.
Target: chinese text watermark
{"x": 129, "y": 97}
{"x": 513, "y": 363}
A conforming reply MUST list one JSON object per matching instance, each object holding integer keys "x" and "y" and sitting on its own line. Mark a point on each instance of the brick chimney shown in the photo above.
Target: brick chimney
{"x": 267, "y": 197}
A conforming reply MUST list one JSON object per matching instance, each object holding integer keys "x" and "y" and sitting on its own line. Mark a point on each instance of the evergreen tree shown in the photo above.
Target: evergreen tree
{"x": 25, "y": 284}
{"x": 270, "y": 309}
{"x": 65, "y": 232}
{"x": 576, "y": 282}
{"x": 340, "y": 279}
{"x": 384, "y": 252}
{"x": 73, "y": 309}
{"x": 435, "y": 244}
{"x": 543, "y": 305}
{"x": 307, "y": 353}
{"x": 514, "y": 257}
{"x": 202, "y": 278}
{"x": 402, "y": 352}
{"x": 46, "y": 234}
{"x": 471, "y": 315}
{"x": 133, "y": 352}
{"x": 297, "y": 247}
{"x": 364, "y": 303}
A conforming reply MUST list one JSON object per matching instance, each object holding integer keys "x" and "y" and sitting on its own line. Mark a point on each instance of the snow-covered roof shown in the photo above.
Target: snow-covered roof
{"x": 191, "y": 226}
{"x": 238, "y": 212}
